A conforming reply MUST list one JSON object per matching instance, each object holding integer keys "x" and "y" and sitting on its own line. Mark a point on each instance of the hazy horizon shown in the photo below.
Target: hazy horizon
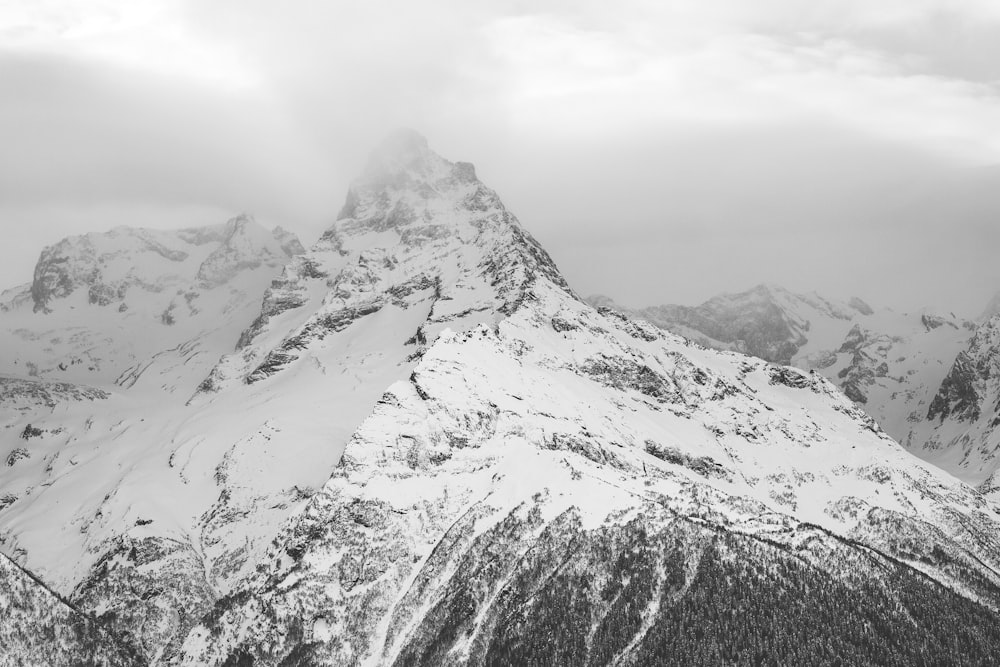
{"x": 660, "y": 152}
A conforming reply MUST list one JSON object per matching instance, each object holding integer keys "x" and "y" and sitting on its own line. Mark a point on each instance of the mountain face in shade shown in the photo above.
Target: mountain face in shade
{"x": 424, "y": 448}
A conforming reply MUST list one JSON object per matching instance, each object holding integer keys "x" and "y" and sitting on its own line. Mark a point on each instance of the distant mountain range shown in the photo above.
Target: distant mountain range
{"x": 928, "y": 379}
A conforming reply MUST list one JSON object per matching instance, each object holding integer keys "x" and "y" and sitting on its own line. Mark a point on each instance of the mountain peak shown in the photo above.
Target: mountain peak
{"x": 416, "y": 232}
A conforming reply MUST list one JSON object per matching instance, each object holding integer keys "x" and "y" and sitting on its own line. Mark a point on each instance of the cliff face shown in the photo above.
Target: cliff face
{"x": 914, "y": 373}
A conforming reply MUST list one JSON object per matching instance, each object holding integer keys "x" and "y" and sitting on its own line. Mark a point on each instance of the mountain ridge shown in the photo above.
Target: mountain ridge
{"x": 424, "y": 447}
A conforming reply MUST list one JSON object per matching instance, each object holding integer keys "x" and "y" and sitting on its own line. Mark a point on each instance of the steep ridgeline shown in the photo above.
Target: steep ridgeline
{"x": 767, "y": 321}
{"x": 100, "y": 353}
{"x": 541, "y": 482}
{"x": 139, "y": 305}
{"x": 891, "y": 364}
{"x": 959, "y": 430}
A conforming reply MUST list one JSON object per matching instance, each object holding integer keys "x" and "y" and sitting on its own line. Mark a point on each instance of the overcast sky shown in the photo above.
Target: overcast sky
{"x": 662, "y": 151}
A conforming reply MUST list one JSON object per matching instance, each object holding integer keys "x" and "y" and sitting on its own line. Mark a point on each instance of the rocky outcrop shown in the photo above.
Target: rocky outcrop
{"x": 957, "y": 397}
{"x": 474, "y": 513}
{"x": 79, "y": 262}
{"x": 428, "y": 450}
{"x": 905, "y": 369}
{"x": 860, "y": 306}
{"x": 148, "y": 592}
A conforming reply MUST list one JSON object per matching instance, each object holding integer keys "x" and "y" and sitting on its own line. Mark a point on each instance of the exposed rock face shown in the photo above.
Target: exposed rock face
{"x": 26, "y": 395}
{"x": 40, "y": 628}
{"x": 147, "y": 590}
{"x": 960, "y": 429}
{"x": 428, "y": 450}
{"x": 77, "y": 262}
{"x": 957, "y": 397}
{"x": 860, "y": 306}
{"x": 895, "y": 365}
{"x": 992, "y": 308}
{"x": 109, "y": 265}
{"x": 474, "y": 510}
{"x": 557, "y": 467}
{"x": 766, "y": 321}
{"x": 972, "y": 379}
{"x": 102, "y": 305}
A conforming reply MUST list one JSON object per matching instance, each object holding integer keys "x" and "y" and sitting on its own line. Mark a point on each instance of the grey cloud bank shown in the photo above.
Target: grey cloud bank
{"x": 660, "y": 151}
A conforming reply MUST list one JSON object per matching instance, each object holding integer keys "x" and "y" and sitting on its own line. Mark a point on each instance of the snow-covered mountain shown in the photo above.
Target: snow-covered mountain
{"x": 891, "y": 364}
{"x": 426, "y": 449}
{"x": 105, "y": 309}
{"x": 959, "y": 430}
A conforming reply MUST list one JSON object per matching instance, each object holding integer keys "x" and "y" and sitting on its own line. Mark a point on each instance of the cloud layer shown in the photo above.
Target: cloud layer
{"x": 661, "y": 151}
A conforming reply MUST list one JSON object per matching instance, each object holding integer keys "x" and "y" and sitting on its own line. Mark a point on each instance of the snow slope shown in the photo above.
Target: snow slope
{"x": 959, "y": 429}
{"x": 535, "y": 431}
{"x": 426, "y": 449}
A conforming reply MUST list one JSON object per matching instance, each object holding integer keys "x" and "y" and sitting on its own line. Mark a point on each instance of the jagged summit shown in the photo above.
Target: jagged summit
{"x": 924, "y": 377}
{"x": 415, "y": 230}
{"x": 108, "y": 265}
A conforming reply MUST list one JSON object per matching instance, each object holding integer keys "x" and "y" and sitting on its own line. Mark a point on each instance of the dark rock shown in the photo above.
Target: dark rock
{"x": 856, "y": 337}
{"x": 789, "y": 377}
{"x": 957, "y": 396}
{"x": 18, "y": 454}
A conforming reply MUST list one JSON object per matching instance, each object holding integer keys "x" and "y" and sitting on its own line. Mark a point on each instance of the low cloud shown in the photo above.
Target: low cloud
{"x": 661, "y": 151}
